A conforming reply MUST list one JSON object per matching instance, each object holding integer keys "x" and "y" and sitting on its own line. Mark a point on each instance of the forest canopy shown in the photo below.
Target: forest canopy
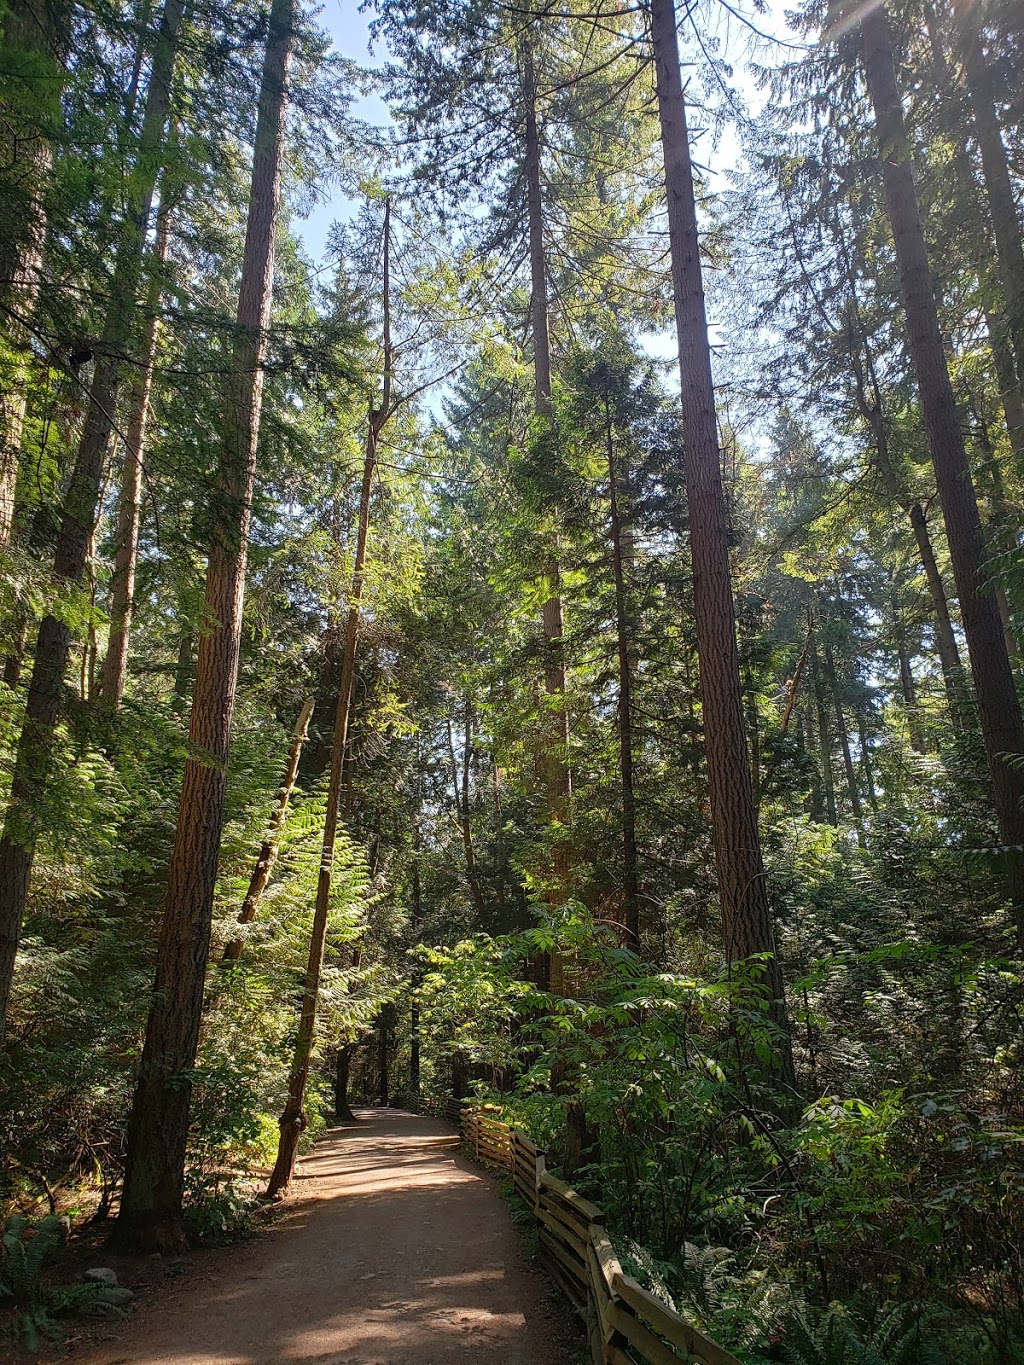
{"x": 557, "y": 641}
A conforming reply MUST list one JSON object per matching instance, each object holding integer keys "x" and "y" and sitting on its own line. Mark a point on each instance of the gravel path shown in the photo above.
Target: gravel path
{"x": 392, "y": 1250}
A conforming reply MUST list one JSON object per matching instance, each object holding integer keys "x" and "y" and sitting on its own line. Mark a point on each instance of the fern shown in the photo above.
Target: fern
{"x": 833, "y": 1336}
{"x": 746, "y": 1310}
{"x": 26, "y": 1250}
{"x": 34, "y": 1304}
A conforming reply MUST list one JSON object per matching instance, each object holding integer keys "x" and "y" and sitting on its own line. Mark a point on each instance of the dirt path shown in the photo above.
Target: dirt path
{"x": 393, "y": 1250}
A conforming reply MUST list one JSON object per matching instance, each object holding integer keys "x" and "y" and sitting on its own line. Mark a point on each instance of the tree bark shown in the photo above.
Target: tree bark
{"x": 945, "y": 640}
{"x": 268, "y": 849}
{"x": 417, "y": 925}
{"x": 342, "y": 1109}
{"x": 746, "y": 914}
{"x": 150, "y": 1218}
{"x": 998, "y": 184}
{"x": 981, "y": 232}
{"x": 292, "y": 1119}
{"x": 37, "y": 32}
{"x": 999, "y": 709}
{"x": 122, "y": 584}
{"x": 874, "y": 414}
{"x": 35, "y": 745}
{"x": 384, "y": 1027}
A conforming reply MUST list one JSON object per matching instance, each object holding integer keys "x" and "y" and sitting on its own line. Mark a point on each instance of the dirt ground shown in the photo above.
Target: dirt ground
{"x": 392, "y": 1250}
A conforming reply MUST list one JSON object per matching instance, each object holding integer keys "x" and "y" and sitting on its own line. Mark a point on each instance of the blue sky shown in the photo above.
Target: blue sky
{"x": 351, "y": 34}
{"x": 350, "y": 31}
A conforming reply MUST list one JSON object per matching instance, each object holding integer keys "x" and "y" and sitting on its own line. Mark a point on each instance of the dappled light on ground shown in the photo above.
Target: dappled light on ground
{"x": 393, "y": 1250}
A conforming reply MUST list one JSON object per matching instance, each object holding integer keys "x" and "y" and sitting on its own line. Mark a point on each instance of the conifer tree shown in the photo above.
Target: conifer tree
{"x": 22, "y": 820}
{"x": 150, "y": 1216}
{"x": 746, "y": 913}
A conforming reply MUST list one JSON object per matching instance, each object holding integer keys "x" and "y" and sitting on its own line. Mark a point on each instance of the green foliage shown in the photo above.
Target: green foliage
{"x": 33, "y": 1303}
{"x": 834, "y": 1336}
{"x": 218, "y": 1208}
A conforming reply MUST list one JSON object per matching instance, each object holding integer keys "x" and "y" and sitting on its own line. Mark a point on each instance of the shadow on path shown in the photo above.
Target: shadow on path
{"x": 392, "y": 1250}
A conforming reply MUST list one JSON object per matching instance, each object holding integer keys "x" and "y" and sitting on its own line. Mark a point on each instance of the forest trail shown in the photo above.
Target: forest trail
{"x": 392, "y": 1250}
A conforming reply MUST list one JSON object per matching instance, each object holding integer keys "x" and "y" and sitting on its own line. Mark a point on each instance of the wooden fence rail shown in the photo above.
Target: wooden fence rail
{"x": 627, "y": 1325}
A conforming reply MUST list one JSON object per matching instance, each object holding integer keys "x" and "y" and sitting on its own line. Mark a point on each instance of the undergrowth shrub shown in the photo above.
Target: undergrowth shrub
{"x": 32, "y": 1303}
{"x": 858, "y": 1227}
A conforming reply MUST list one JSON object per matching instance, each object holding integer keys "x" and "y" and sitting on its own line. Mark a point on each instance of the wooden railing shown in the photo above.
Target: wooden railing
{"x": 626, "y": 1324}
{"x": 449, "y": 1109}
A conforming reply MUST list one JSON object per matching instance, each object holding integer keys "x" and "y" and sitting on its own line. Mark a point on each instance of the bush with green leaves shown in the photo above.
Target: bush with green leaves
{"x": 656, "y": 1093}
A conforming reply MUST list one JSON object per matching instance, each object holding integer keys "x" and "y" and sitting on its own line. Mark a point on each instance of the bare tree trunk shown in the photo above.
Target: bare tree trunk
{"x": 982, "y": 233}
{"x": 417, "y": 925}
{"x": 122, "y": 584}
{"x": 873, "y": 412}
{"x": 554, "y": 764}
{"x": 746, "y": 914}
{"x": 268, "y": 849}
{"x": 292, "y": 1119}
{"x": 999, "y": 709}
{"x": 183, "y": 663}
{"x": 35, "y": 36}
{"x": 150, "y": 1217}
{"x": 630, "y": 862}
{"x": 35, "y": 746}
{"x": 945, "y": 640}
{"x": 998, "y": 184}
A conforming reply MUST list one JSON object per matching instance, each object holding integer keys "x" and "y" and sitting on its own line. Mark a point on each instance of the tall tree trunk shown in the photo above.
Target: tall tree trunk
{"x": 945, "y": 640}
{"x": 122, "y": 584}
{"x": 998, "y": 183}
{"x": 383, "y": 1057}
{"x": 999, "y": 710}
{"x": 417, "y": 925}
{"x": 554, "y": 764}
{"x": 292, "y": 1119}
{"x": 342, "y": 1109}
{"x": 150, "y": 1217}
{"x": 980, "y": 231}
{"x": 35, "y": 35}
{"x": 844, "y": 736}
{"x": 630, "y": 863}
{"x": 267, "y": 855}
{"x": 746, "y": 913}
{"x": 22, "y": 824}
{"x": 873, "y": 411}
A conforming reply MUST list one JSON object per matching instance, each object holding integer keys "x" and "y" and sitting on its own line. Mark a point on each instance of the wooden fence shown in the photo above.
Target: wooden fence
{"x": 626, "y": 1324}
